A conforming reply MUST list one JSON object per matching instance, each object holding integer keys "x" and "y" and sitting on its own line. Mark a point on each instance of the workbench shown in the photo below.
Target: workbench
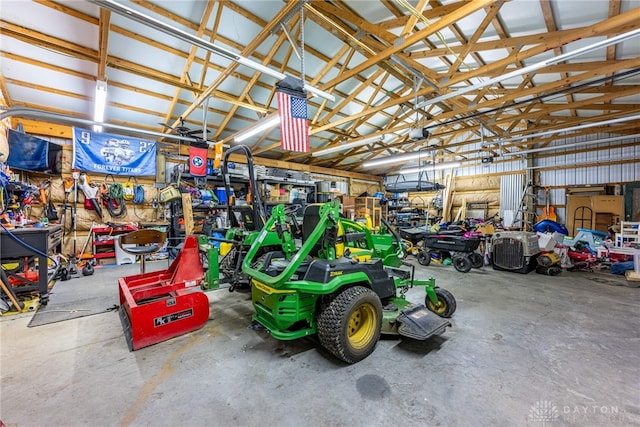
{"x": 47, "y": 240}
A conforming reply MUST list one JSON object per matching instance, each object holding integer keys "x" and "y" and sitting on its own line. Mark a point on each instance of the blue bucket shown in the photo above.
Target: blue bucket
{"x": 221, "y": 195}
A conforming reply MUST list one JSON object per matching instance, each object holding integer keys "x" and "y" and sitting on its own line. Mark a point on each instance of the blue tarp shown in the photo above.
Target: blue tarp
{"x": 621, "y": 267}
{"x": 27, "y": 151}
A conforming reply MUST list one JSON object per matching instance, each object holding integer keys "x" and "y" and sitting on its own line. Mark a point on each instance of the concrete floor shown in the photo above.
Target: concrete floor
{"x": 524, "y": 350}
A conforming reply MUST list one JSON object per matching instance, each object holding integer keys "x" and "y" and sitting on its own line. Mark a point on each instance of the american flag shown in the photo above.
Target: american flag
{"x": 294, "y": 128}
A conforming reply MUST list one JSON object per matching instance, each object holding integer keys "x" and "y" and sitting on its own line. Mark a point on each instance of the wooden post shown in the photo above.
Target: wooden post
{"x": 187, "y": 213}
{"x": 161, "y": 162}
{"x": 447, "y": 199}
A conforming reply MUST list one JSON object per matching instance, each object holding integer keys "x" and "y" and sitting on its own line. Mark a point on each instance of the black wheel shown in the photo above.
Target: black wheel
{"x": 477, "y": 260}
{"x": 424, "y": 258}
{"x": 462, "y": 263}
{"x": 446, "y": 303}
{"x": 64, "y": 274}
{"x": 349, "y": 325}
{"x": 87, "y": 270}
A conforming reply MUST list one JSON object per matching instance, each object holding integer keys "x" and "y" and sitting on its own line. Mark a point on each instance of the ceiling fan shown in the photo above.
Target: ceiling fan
{"x": 183, "y": 130}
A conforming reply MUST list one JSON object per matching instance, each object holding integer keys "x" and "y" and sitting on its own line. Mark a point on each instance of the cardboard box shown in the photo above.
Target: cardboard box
{"x": 348, "y": 204}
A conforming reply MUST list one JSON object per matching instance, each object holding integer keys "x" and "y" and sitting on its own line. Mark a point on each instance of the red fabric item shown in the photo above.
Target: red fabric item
{"x": 294, "y": 127}
{"x": 197, "y": 161}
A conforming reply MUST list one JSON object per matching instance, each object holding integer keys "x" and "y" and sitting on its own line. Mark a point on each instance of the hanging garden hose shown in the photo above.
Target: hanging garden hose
{"x": 138, "y": 194}
{"x": 116, "y": 194}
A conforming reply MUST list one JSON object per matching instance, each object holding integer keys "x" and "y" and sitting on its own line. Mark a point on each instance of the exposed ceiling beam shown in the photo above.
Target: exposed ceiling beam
{"x": 460, "y": 13}
{"x": 103, "y": 43}
{"x": 184, "y": 78}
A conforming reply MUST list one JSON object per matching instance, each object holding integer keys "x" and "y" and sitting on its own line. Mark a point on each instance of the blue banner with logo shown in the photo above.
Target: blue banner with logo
{"x": 114, "y": 154}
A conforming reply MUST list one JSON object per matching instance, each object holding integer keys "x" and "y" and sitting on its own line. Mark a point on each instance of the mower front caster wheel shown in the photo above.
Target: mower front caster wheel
{"x": 446, "y": 303}
{"x": 424, "y": 258}
{"x": 349, "y": 324}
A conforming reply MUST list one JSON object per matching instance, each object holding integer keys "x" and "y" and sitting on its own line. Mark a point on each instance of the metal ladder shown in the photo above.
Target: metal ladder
{"x": 526, "y": 213}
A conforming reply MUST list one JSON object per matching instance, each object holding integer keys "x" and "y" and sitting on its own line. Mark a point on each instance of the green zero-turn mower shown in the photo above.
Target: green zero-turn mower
{"x": 344, "y": 283}
{"x": 245, "y": 222}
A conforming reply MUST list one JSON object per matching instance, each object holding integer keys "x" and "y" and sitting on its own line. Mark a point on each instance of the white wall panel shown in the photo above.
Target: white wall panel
{"x": 593, "y": 171}
{"x": 511, "y": 187}
{"x": 560, "y": 171}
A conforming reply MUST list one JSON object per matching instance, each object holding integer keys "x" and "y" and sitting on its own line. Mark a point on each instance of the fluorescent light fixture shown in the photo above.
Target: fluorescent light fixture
{"x": 100, "y": 104}
{"x": 531, "y": 68}
{"x": 259, "y": 127}
{"x": 353, "y": 144}
{"x": 395, "y": 159}
{"x": 431, "y": 167}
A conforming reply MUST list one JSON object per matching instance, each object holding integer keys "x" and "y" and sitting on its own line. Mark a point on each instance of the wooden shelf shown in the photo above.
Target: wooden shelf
{"x": 370, "y": 206}
{"x": 629, "y": 234}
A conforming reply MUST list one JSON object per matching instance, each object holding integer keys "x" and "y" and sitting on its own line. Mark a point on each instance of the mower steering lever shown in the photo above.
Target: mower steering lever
{"x": 413, "y": 269}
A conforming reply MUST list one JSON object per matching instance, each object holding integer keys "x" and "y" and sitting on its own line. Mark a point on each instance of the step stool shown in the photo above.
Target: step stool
{"x": 593, "y": 238}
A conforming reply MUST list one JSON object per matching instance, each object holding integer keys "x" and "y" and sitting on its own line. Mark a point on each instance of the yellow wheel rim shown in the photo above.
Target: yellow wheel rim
{"x": 362, "y": 326}
{"x": 440, "y": 308}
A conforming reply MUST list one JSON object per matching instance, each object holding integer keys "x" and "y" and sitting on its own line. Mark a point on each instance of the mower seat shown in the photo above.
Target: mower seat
{"x": 244, "y": 216}
{"x": 310, "y": 220}
{"x": 142, "y": 242}
{"x": 347, "y": 240}
{"x": 274, "y": 263}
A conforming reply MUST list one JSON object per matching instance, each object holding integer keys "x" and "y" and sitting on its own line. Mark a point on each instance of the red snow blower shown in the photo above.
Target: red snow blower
{"x": 160, "y": 305}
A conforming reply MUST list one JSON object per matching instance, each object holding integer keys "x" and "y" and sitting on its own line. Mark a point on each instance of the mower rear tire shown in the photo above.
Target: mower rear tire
{"x": 462, "y": 263}
{"x": 424, "y": 258}
{"x": 477, "y": 260}
{"x": 446, "y": 303}
{"x": 349, "y": 324}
